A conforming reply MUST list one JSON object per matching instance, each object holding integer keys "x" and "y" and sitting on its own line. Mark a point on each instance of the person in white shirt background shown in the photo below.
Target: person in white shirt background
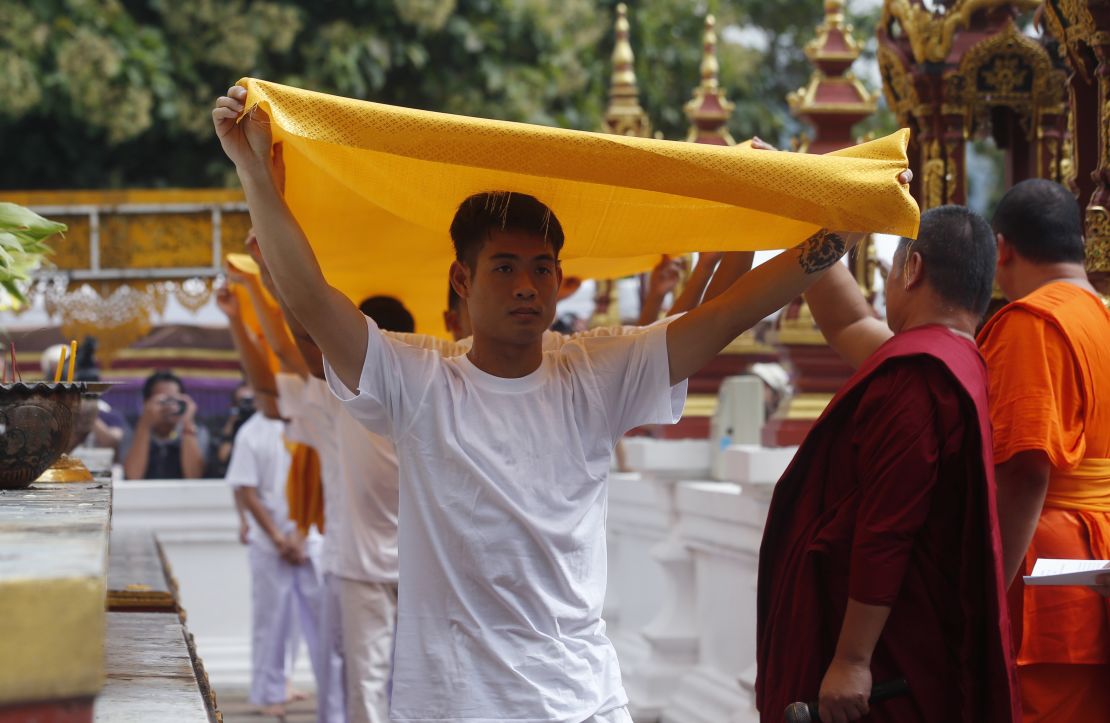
{"x": 284, "y": 564}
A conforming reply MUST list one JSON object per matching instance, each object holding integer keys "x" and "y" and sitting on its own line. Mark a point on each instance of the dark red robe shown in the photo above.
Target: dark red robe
{"x": 890, "y": 500}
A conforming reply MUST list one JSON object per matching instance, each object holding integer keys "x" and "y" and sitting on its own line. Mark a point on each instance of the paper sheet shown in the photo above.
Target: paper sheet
{"x": 1049, "y": 571}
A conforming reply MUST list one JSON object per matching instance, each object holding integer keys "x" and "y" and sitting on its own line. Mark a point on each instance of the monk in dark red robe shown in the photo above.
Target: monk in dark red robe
{"x": 881, "y": 557}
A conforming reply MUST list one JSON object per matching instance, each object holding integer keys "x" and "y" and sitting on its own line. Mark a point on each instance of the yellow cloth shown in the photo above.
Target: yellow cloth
{"x": 1086, "y": 487}
{"x": 375, "y": 188}
{"x": 254, "y": 326}
{"x": 304, "y": 489}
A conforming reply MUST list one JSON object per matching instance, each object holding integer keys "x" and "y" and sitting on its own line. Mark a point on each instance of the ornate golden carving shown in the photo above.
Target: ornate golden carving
{"x": 117, "y": 316}
{"x": 156, "y": 240}
{"x": 931, "y": 33}
{"x": 1007, "y": 69}
{"x": 1051, "y": 146}
{"x": 1006, "y": 75}
{"x": 933, "y": 176}
{"x": 955, "y": 150}
{"x": 193, "y": 294}
{"x": 1098, "y": 239}
{"x": 898, "y": 87}
{"x": 1071, "y": 23}
{"x": 1069, "y": 164}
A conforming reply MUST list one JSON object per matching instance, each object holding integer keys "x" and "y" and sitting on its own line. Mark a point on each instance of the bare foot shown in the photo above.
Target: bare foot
{"x": 277, "y": 710}
{"x": 292, "y": 695}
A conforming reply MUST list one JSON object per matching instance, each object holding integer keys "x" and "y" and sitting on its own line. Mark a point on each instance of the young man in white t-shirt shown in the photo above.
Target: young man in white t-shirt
{"x": 361, "y": 505}
{"x": 504, "y": 452}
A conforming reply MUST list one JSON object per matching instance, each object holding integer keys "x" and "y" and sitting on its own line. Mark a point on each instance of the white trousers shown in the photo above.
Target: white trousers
{"x": 331, "y": 687}
{"x": 369, "y": 612}
{"x": 280, "y": 594}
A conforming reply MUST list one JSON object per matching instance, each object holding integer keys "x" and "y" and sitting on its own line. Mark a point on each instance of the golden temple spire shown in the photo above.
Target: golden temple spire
{"x": 834, "y": 99}
{"x": 709, "y": 109}
{"x": 625, "y": 116}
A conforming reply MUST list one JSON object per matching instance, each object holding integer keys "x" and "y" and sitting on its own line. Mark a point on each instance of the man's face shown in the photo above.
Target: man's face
{"x": 512, "y": 288}
{"x": 167, "y": 394}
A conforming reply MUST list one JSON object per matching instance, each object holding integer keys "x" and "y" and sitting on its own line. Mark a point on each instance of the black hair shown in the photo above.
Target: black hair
{"x": 388, "y": 313}
{"x": 1041, "y": 220}
{"x": 957, "y": 246}
{"x": 504, "y": 211}
{"x": 162, "y": 375}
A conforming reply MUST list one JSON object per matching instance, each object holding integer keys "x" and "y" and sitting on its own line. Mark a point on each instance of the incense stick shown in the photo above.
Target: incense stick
{"x": 72, "y": 359}
{"x": 61, "y": 365}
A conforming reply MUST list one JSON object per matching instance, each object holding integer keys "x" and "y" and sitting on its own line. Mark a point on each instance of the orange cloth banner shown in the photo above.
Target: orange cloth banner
{"x": 375, "y": 188}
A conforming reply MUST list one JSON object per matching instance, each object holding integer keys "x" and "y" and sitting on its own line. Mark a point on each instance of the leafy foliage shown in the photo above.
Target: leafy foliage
{"x": 102, "y": 93}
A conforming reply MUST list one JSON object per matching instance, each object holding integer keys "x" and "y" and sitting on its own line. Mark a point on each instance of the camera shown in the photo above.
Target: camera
{"x": 177, "y": 405}
{"x": 243, "y": 408}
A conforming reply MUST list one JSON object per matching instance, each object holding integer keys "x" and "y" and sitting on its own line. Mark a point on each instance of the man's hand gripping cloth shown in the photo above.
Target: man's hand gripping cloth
{"x": 375, "y": 188}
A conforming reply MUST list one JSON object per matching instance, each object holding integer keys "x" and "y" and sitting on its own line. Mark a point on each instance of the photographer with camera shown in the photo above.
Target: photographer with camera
{"x": 168, "y": 443}
{"x": 242, "y": 407}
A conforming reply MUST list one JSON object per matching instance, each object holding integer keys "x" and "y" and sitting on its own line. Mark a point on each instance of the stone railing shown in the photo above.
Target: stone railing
{"x": 684, "y": 552}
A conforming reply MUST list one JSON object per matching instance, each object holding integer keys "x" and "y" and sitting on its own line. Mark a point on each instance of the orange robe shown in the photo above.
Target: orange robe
{"x": 1049, "y": 361}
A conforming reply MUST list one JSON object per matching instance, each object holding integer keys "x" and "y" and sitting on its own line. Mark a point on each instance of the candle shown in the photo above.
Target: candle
{"x": 72, "y": 359}
{"x": 61, "y": 365}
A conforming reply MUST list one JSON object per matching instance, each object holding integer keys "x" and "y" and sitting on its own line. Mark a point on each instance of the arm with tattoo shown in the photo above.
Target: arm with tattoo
{"x": 702, "y": 333}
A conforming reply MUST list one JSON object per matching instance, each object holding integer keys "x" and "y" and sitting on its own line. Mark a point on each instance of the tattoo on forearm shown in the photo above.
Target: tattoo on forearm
{"x": 820, "y": 251}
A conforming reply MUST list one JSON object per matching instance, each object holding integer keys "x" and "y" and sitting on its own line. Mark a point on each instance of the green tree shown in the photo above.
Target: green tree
{"x": 110, "y": 93}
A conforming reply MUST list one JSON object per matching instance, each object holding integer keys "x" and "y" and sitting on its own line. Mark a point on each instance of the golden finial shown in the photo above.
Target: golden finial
{"x": 710, "y": 68}
{"x": 625, "y": 116}
{"x": 624, "y": 75}
{"x": 709, "y": 109}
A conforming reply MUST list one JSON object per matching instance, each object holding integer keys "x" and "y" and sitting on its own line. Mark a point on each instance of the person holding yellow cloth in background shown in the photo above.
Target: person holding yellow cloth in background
{"x": 286, "y": 579}
{"x": 1048, "y": 354}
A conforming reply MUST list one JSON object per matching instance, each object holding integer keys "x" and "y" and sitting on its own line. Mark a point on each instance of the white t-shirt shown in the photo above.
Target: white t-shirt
{"x": 366, "y": 537}
{"x": 309, "y": 424}
{"x": 552, "y": 340}
{"x": 259, "y": 459}
{"x": 502, "y": 521}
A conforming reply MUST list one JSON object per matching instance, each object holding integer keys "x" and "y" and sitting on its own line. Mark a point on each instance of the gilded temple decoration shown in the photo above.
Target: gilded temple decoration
{"x": 1071, "y": 22}
{"x": 932, "y": 33}
{"x": 1013, "y": 70}
{"x": 833, "y": 100}
{"x": 1098, "y": 239}
{"x": 961, "y": 70}
{"x": 898, "y": 87}
{"x": 625, "y": 116}
{"x": 1082, "y": 28}
{"x": 127, "y": 252}
{"x": 709, "y": 110}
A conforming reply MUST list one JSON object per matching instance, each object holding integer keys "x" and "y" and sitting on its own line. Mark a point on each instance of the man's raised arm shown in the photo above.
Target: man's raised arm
{"x": 335, "y": 323}
{"x": 702, "y": 333}
{"x": 844, "y": 316}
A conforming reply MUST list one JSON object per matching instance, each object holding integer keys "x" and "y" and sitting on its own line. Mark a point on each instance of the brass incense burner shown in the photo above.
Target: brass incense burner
{"x": 36, "y": 426}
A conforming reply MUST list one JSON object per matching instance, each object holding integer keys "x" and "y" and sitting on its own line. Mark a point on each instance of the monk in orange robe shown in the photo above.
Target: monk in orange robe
{"x": 1048, "y": 353}
{"x": 881, "y": 557}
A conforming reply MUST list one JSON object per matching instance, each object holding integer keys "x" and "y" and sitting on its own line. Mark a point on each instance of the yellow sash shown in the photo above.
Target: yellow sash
{"x": 304, "y": 489}
{"x": 1087, "y": 487}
